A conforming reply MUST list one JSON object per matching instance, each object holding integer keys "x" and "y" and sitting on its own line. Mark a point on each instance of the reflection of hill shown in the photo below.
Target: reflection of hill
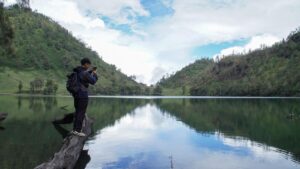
{"x": 264, "y": 121}
{"x": 29, "y": 135}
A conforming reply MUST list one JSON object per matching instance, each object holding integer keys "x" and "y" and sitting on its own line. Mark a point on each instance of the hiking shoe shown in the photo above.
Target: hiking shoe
{"x": 80, "y": 134}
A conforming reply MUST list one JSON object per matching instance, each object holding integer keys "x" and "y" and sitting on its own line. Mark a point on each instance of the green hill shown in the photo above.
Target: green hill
{"x": 272, "y": 71}
{"x": 37, "y": 53}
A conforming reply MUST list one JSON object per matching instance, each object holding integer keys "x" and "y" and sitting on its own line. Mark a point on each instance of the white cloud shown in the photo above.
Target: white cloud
{"x": 119, "y": 10}
{"x": 9, "y": 2}
{"x": 113, "y": 46}
{"x": 66, "y": 12}
{"x": 157, "y": 72}
{"x": 256, "y": 42}
{"x": 201, "y": 21}
{"x": 168, "y": 41}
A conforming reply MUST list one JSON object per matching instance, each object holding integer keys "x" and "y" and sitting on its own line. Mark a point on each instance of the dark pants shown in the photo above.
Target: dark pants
{"x": 80, "y": 105}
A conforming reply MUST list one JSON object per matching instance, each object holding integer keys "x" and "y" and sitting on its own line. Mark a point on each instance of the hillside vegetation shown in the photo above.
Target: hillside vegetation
{"x": 272, "y": 71}
{"x": 37, "y": 54}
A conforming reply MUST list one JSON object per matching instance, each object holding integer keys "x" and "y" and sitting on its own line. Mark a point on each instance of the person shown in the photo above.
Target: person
{"x": 85, "y": 77}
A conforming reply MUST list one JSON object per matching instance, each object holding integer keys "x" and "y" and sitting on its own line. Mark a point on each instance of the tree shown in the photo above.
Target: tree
{"x": 20, "y": 86}
{"x": 132, "y": 77}
{"x": 24, "y": 3}
{"x": 50, "y": 87}
{"x": 6, "y": 35}
{"x": 36, "y": 85}
{"x": 183, "y": 90}
{"x": 31, "y": 87}
{"x": 157, "y": 91}
{"x": 147, "y": 91}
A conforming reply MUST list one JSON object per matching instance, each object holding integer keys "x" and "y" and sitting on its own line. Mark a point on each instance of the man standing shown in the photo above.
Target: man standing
{"x": 85, "y": 76}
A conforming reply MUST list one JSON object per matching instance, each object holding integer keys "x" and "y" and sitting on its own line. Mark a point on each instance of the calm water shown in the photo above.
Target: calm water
{"x": 157, "y": 133}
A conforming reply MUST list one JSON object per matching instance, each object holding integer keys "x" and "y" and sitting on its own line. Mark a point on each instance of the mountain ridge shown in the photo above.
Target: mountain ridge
{"x": 269, "y": 71}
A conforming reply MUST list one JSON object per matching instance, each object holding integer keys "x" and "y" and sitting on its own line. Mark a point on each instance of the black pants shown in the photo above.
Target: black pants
{"x": 80, "y": 105}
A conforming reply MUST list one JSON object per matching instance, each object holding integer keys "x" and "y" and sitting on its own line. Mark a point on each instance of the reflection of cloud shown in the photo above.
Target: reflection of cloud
{"x": 147, "y": 133}
{"x": 140, "y": 126}
{"x": 257, "y": 149}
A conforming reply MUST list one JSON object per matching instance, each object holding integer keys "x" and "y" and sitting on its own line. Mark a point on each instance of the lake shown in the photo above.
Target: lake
{"x": 157, "y": 133}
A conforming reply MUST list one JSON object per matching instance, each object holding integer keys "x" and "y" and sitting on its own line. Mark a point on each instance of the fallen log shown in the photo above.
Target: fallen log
{"x": 3, "y": 116}
{"x": 68, "y": 155}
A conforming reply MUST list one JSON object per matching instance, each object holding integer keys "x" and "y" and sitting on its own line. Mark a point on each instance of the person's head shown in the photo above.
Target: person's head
{"x": 86, "y": 63}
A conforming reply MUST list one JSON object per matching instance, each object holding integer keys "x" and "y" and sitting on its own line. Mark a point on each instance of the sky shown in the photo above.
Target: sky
{"x": 152, "y": 38}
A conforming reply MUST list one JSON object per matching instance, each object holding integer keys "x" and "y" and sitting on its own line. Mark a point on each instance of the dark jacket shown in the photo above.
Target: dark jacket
{"x": 85, "y": 78}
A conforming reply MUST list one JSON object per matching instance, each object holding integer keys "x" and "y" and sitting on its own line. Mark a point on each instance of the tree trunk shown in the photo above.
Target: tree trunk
{"x": 69, "y": 153}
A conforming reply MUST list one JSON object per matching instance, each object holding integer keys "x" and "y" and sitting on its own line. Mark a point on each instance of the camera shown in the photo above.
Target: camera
{"x": 93, "y": 69}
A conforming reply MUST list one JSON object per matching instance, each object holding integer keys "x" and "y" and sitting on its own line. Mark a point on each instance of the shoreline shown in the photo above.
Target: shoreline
{"x": 157, "y": 97}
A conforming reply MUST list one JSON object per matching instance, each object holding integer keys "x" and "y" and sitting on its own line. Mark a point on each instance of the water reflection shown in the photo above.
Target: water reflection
{"x": 83, "y": 160}
{"x": 161, "y": 133}
{"x": 29, "y": 134}
{"x": 264, "y": 121}
{"x": 148, "y": 137}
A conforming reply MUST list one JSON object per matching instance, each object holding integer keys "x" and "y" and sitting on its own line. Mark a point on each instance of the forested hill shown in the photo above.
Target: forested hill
{"x": 37, "y": 53}
{"x": 273, "y": 71}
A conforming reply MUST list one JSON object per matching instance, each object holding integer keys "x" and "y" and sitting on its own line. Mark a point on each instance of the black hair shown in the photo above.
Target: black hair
{"x": 85, "y": 61}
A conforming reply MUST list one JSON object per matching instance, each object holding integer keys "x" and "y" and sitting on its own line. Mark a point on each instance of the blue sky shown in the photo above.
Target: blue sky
{"x": 151, "y": 38}
{"x": 209, "y": 50}
{"x": 157, "y": 8}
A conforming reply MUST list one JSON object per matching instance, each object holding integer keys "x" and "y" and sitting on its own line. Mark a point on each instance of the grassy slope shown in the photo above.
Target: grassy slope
{"x": 270, "y": 71}
{"x": 185, "y": 78}
{"x": 44, "y": 49}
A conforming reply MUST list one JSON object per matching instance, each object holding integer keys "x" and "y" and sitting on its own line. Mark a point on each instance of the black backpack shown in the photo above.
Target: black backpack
{"x": 73, "y": 84}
